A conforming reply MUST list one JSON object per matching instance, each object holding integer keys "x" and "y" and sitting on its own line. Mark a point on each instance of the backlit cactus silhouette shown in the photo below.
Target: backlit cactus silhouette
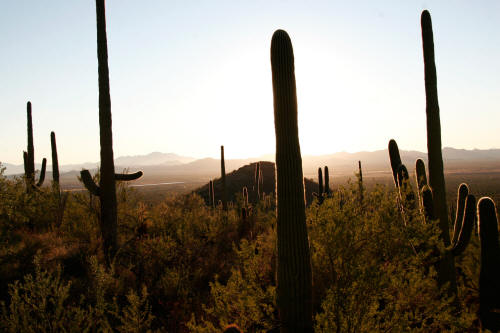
{"x": 446, "y": 269}
{"x": 60, "y": 199}
{"x": 223, "y": 178}
{"x": 360, "y": 183}
{"x": 327, "y": 182}
{"x": 489, "y": 276}
{"x": 466, "y": 203}
{"x": 294, "y": 285}
{"x": 107, "y": 180}
{"x": 29, "y": 157}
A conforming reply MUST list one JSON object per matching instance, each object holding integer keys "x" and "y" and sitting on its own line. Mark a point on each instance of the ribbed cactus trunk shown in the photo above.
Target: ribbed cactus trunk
{"x": 30, "y": 161}
{"x": 446, "y": 269}
{"x": 294, "y": 285}
{"x": 223, "y": 178}
{"x": 107, "y": 179}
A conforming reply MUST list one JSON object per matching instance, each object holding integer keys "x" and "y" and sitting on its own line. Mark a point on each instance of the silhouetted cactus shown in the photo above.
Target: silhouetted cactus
{"x": 223, "y": 178}
{"x": 55, "y": 162}
{"x": 395, "y": 159}
{"x": 327, "y": 182}
{"x": 245, "y": 196}
{"x": 211, "y": 198}
{"x": 360, "y": 183}
{"x": 319, "y": 195}
{"x": 29, "y": 157}
{"x": 60, "y": 199}
{"x": 446, "y": 269}
{"x": 257, "y": 182}
{"x": 107, "y": 180}
{"x": 489, "y": 276}
{"x": 294, "y": 287}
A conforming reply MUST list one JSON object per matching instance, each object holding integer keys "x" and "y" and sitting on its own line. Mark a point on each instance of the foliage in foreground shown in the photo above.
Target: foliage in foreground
{"x": 182, "y": 266}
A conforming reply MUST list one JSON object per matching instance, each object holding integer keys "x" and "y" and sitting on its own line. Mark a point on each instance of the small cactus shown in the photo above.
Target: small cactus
{"x": 327, "y": 182}
{"x": 55, "y": 162}
{"x": 211, "y": 198}
{"x": 360, "y": 183}
{"x": 223, "y": 178}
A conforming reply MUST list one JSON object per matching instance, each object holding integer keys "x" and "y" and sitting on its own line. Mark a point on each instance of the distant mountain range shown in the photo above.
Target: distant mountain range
{"x": 172, "y": 164}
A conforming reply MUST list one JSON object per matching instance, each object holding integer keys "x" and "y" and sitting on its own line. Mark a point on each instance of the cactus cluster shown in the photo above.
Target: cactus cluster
{"x": 436, "y": 187}
{"x": 323, "y": 186}
{"x": 258, "y": 182}
{"x": 294, "y": 275}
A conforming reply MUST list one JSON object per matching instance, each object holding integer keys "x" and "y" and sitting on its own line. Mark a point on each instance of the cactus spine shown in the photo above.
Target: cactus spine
{"x": 29, "y": 156}
{"x": 446, "y": 270}
{"x": 489, "y": 276}
{"x": 294, "y": 285}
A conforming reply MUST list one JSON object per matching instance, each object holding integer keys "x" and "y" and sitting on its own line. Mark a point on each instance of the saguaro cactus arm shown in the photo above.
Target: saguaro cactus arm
{"x": 42, "y": 173}
{"x": 395, "y": 159}
{"x": 489, "y": 276}
{"x": 463, "y": 192}
{"x": 465, "y": 232}
{"x": 294, "y": 287}
{"x": 128, "y": 176}
{"x": 420, "y": 174}
{"x": 95, "y": 189}
{"x": 89, "y": 183}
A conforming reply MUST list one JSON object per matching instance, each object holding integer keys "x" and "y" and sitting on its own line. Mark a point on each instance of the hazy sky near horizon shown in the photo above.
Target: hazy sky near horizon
{"x": 189, "y": 76}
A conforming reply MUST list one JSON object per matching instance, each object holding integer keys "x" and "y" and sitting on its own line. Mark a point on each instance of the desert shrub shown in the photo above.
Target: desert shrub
{"x": 248, "y": 296}
{"x": 373, "y": 272}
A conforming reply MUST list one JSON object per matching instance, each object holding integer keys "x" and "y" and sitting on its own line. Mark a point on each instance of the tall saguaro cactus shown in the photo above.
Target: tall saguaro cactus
{"x": 294, "y": 289}
{"x": 29, "y": 156}
{"x": 436, "y": 173}
{"x": 107, "y": 181}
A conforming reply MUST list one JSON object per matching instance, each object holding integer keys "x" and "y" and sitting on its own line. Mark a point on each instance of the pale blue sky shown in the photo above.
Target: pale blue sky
{"x": 188, "y": 76}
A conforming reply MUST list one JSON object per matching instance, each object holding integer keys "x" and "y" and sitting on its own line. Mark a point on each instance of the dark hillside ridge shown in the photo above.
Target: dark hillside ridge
{"x": 244, "y": 176}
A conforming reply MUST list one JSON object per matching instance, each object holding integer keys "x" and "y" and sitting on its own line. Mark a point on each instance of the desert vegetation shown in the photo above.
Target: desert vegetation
{"x": 262, "y": 247}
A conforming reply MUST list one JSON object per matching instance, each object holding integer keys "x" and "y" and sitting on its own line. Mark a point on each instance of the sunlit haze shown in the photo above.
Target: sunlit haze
{"x": 189, "y": 76}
